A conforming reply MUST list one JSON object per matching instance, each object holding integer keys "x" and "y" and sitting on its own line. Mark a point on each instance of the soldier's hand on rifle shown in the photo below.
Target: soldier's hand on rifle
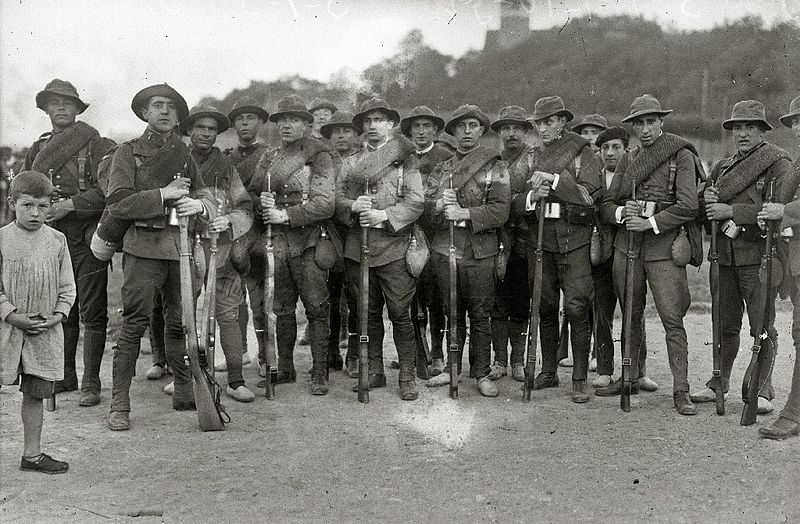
{"x": 544, "y": 177}
{"x": 176, "y": 189}
{"x": 719, "y": 211}
{"x": 449, "y": 197}
{"x": 267, "y": 200}
{"x": 188, "y": 206}
{"x": 637, "y": 224}
{"x": 219, "y": 224}
{"x": 711, "y": 195}
{"x": 361, "y": 204}
{"x": 631, "y": 210}
{"x": 275, "y": 216}
{"x": 770, "y": 211}
{"x": 372, "y": 217}
{"x": 60, "y": 209}
{"x": 455, "y": 212}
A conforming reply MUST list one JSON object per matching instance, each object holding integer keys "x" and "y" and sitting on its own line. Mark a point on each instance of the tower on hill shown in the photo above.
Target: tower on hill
{"x": 514, "y": 25}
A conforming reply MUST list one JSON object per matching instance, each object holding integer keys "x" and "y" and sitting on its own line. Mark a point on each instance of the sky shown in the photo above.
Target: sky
{"x": 111, "y": 48}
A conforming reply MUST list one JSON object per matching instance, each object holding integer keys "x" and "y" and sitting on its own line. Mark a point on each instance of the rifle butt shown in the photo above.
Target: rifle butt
{"x": 625, "y": 397}
{"x": 51, "y": 403}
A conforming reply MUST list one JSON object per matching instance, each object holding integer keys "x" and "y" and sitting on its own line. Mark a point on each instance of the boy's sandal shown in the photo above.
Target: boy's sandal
{"x": 44, "y": 463}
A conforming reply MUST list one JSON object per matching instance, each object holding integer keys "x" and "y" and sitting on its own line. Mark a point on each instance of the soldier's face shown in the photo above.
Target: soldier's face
{"x": 550, "y": 128}
{"x": 796, "y": 126}
{"x": 590, "y": 133}
{"x": 422, "y": 132}
{"x": 612, "y": 151}
{"x": 161, "y": 114}
{"x": 748, "y": 135}
{"x": 291, "y": 128}
{"x": 376, "y": 127}
{"x": 204, "y": 133}
{"x": 513, "y": 136}
{"x": 30, "y": 211}
{"x": 647, "y": 128}
{"x": 468, "y": 131}
{"x": 62, "y": 110}
{"x": 321, "y": 117}
{"x": 343, "y": 138}
{"x": 247, "y": 126}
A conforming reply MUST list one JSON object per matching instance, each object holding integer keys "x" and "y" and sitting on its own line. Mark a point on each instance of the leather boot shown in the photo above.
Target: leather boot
{"x": 286, "y": 334}
{"x": 781, "y": 429}
{"x": 500, "y": 340}
{"x": 94, "y": 344}
{"x": 579, "y": 394}
{"x": 408, "y": 390}
{"x": 683, "y": 405}
{"x": 70, "y": 382}
{"x": 319, "y": 380}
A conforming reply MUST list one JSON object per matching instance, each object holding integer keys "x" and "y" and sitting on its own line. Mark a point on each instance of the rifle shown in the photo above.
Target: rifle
{"x": 269, "y": 334}
{"x": 716, "y": 324}
{"x": 363, "y": 314}
{"x": 452, "y": 322}
{"x": 418, "y": 318}
{"x": 763, "y": 348}
{"x": 563, "y": 335}
{"x": 206, "y": 391}
{"x": 209, "y": 328}
{"x": 627, "y": 321}
{"x": 531, "y": 335}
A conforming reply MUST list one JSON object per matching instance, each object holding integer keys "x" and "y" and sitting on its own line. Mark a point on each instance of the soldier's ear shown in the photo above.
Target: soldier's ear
{"x": 481, "y": 130}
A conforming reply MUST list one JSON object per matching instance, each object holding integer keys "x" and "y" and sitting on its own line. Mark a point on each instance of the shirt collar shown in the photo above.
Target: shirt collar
{"x": 421, "y": 152}
{"x": 370, "y": 147}
{"x": 155, "y": 137}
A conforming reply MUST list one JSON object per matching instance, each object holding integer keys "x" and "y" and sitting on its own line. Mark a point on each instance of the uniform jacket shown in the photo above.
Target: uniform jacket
{"x": 481, "y": 182}
{"x": 134, "y": 193}
{"x": 245, "y": 158}
{"x": 222, "y": 179}
{"x": 747, "y": 248}
{"x": 427, "y": 162}
{"x": 79, "y": 146}
{"x": 655, "y": 187}
{"x": 378, "y": 173}
{"x": 791, "y": 217}
{"x": 302, "y": 179}
{"x": 517, "y": 230}
{"x": 579, "y": 185}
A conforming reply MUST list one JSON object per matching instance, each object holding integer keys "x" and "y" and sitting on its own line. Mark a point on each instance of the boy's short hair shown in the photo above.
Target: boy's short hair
{"x": 31, "y": 183}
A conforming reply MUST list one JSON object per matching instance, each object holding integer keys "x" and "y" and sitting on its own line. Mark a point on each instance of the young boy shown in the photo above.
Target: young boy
{"x": 37, "y": 290}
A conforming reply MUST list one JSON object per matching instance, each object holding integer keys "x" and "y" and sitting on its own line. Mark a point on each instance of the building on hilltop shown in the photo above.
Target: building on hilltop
{"x": 514, "y": 25}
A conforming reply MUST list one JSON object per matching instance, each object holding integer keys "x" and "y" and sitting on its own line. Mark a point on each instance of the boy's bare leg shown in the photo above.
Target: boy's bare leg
{"x": 32, "y": 416}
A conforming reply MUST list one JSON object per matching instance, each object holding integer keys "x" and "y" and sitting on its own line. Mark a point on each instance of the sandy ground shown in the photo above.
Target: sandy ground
{"x": 303, "y": 458}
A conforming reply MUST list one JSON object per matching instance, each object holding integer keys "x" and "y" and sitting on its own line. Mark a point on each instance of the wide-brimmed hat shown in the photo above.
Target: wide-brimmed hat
{"x": 646, "y": 105}
{"x": 750, "y": 111}
{"x": 291, "y": 105}
{"x": 374, "y": 104}
{"x": 548, "y": 106}
{"x": 511, "y": 115}
{"x": 321, "y": 103}
{"x": 340, "y": 118}
{"x": 794, "y": 110}
{"x": 612, "y": 133}
{"x": 201, "y": 111}
{"x": 141, "y": 99}
{"x": 62, "y": 88}
{"x": 466, "y": 111}
{"x": 247, "y": 104}
{"x": 595, "y": 120}
{"x": 420, "y": 112}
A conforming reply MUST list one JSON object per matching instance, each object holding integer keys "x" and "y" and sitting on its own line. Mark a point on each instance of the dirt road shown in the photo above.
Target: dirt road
{"x": 304, "y": 458}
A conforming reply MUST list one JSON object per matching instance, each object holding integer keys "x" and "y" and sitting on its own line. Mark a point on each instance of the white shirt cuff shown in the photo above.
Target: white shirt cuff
{"x": 530, "y": 205}
{"x": 654, "y": 225}
{"x": 618, "y": 214}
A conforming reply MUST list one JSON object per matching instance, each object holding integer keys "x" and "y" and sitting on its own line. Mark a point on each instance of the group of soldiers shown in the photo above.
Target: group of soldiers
{"x": 423, "y": 192}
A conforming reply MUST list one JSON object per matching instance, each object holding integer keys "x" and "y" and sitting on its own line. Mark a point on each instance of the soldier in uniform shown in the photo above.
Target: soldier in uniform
{"x": 69, "y": 155}
{"x": 343, "y": 135}
{"x": 234, "y": 219}
{"x": 293, "y": 190}
{"x": 247, "y": 118}
{"x": 512, "y": 295}
{"x": 380, "y": 188}
{"x": 613, "y": 142}
{"x": 788, "y": 212}
{"x": 590, "y": 128}
{"x": 663, "y": 170}
{"x": 148, "y": 175}
{"x": 732, "y": 196}
{"x": 421, "y": 126}
{"x": 561, "y": 191}
{"x": 322, "y": 110}
{"x": 478, "y": 202}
